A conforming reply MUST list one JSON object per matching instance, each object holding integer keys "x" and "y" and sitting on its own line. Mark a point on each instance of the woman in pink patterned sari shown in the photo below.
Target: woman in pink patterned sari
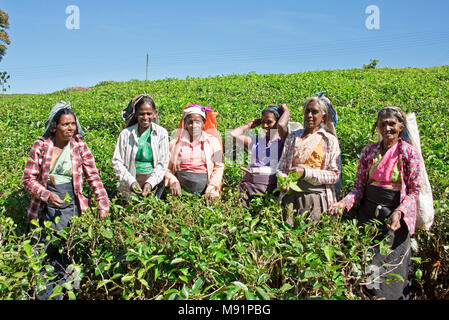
{"x": 387, "y": 187}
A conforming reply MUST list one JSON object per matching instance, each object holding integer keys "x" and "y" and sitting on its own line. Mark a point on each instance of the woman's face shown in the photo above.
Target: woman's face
{"x": 194, "y": 124}
{"x": 268, "y": 121}
{"x": 390, "y": 128}
{"x": 313, "y": 117}
{"x": 66, "y": 128}
{"x": 145, "y": 115}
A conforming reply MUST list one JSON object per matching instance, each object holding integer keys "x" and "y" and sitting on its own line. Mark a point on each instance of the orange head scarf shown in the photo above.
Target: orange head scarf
{"x": 210, "y": 119}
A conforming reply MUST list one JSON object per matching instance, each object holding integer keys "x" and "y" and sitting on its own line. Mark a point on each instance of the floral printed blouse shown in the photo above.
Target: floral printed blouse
{"x": 410, "y": 186}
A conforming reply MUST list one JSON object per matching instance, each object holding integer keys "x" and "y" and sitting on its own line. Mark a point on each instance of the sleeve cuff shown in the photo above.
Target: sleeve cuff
{"x": 45, "y": 195}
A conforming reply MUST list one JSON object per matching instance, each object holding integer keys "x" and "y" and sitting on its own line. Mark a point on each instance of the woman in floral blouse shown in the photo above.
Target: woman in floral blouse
{"x": 387, "y": 187}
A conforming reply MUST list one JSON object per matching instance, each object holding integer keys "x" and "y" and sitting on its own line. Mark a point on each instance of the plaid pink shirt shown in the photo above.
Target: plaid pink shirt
{"x": 37, "y": 169}
{"x": 410, "y": 186}
{"x": 329, "y": 175}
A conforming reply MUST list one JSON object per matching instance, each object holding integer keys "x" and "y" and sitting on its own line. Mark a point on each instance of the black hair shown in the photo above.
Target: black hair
{"x": 274, "y": 110}
{"x": 55, "y": 121}
{"x": 145, "y": 99}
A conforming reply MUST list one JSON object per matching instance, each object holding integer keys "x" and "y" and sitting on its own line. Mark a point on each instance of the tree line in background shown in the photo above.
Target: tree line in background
{"x": 4, "y": 42}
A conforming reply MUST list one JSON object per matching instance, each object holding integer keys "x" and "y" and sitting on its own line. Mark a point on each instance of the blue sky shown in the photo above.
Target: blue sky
{"x": 199, "y": 38}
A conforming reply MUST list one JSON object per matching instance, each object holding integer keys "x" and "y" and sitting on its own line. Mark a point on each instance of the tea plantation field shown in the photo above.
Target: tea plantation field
{"x": 183, "y": 249}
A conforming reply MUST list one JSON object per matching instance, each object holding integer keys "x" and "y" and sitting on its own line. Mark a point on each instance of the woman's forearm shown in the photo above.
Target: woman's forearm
{"x": 238, "y": 134}
{"x": 283, "y": 122}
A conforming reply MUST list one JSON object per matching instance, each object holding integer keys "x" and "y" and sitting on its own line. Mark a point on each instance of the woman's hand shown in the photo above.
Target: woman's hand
{"x": 54, "y": 200}
{"x": 212, "y": 193}
{"x": 283, "y": 107}
{"x": 299, "y": 169}
{"x": 255, "y": 122}
{"x": 211, "y": 197}
{"x": 394, "y": 222}
{"x": 175, "y": 188}
{"x": 337, "y": 208}
{"x": 146, "y": 189}
{"x": 103, "y": 213}
{"x": 136, "y": 188}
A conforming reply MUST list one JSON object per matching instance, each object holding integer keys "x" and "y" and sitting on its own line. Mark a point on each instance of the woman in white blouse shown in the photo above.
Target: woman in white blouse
{"x": 141, "y": 154}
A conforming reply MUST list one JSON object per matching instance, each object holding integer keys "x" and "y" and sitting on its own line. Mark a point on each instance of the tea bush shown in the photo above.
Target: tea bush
{"x": 183, "y": 249}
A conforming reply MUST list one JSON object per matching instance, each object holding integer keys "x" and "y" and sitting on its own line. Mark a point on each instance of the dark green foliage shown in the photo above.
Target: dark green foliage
{"x": 372, "y": 65}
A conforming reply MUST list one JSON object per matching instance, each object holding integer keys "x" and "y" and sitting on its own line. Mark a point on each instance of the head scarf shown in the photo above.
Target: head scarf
{"x": 325, "y": 107}
{"x": 330, "y": 107}
{"x": 209, "y": 116}
{"x": 128, "y": 114}
{"x": 56, "y": 108}
{"x": 195, "y": 109}
{"x": 275, "y": 110}
{"x": 405, "y": 135}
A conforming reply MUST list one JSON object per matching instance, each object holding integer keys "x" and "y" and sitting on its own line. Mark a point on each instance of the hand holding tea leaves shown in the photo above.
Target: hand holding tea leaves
{"x": 136, "y": 188}
{"x": 175, "y": 188}
{"x": 146, "y": 189}
{"x": 394, "y": 222}
{"x": 54, "y": 200}
{"x": 337, "y": 208}
{"x": 102, "y": 214}
{"x": 290, "y": 182}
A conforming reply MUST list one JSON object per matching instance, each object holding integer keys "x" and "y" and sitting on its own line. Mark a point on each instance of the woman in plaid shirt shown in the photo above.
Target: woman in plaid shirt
{"x": 54, "y": 177}
{"x": 314, "y": 153}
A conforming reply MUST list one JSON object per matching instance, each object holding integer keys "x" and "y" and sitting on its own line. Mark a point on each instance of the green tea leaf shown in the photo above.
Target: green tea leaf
{"x": 28, "y": 249}
{"x": 107, "y": 233}
{"x": 328, "y": 252}
{"x": 263, "y": 293}
{"x": 240, "y": 285}
{"x": 177, "y": 260}
{"x": 128, "y": 278}
{"x": 67, "y": 198}
{"x": 196, "y": 288}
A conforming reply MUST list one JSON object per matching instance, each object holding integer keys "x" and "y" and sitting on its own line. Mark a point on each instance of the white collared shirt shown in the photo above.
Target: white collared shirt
{"x": 123, "y": 160}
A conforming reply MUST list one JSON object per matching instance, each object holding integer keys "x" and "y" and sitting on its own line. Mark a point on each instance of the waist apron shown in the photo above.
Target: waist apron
{"x": 60, "y": 261}
{"x": 195, "y": 183}
{"x": 377, "y": 205}
{"x": 66, "y": 211}
{"x": 256, "y": 183}
{"x": 312, "y": 200}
